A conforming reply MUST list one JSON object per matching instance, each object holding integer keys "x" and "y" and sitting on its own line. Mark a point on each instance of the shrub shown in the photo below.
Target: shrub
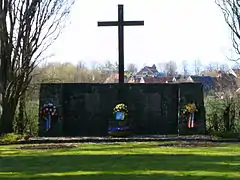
{"x": 30, "y": 119}
{"x": 214, "y": 115}
{"x": 32, "y": 111}
{"x": 10, "y": 138}
{"x": 222, "y": 116}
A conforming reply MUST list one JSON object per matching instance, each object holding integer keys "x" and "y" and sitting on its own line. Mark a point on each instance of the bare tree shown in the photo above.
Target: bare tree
{"x": 210, "y": 67}
{"x": 231, "y": 13}
{"x": 236, "y": 66}
{"x": 185, "y": 67}
{"x": 171, "y": 68}
{"x": 132, "y": 68}
{"x": 27, "y": 29}
{"x": 81, "y": 65}
{"x": 214, "y": 66}
{"x": 109, "y": 67}
{"x": 197, "y": 67}
{"x": 161, "y": 67}
{"x": 224, "y": 68}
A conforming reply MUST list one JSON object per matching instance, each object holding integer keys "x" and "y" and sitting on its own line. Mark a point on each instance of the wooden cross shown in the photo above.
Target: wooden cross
{"x": 121, "y": 23}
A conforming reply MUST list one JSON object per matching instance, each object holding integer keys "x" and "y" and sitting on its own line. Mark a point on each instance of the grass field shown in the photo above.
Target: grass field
{"x": 125, "y": 161}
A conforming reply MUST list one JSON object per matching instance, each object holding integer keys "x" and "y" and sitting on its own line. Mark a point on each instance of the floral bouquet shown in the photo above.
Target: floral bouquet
{"x": 119, "y": 127}
{"x": 121, "y": 108}
{"x": 48, "y": 111}
{"x": 190, "y": 110}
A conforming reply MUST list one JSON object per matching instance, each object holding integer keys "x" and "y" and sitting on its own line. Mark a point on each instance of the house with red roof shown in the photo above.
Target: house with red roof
{"x": 148, "y": 71}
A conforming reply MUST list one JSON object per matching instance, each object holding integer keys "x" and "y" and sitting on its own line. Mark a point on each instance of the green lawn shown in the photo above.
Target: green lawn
{"x": 125, "y": 161}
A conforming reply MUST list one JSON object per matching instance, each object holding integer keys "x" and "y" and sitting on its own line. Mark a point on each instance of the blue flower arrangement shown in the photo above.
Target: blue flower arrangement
{"x": 119, "y": 126}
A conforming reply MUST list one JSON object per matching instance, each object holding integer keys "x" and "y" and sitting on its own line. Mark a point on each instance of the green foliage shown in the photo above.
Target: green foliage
{"x": 127, "y": 74}
{"x": 30, "y": 119}
{"x": 65, "y": 73}
{"x": 32, "y": 111}
{"x": 10, "y": 138}
{"x": 222, "y": 117}
{"x": 214, "y": 114}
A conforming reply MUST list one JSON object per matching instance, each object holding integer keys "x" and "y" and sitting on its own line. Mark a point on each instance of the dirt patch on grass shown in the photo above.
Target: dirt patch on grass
{"x": 49, "y": 146}
{"x": 184, "y": 144}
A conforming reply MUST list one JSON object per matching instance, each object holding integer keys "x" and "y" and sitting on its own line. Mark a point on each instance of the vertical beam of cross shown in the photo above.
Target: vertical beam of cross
{"x": 120, "y": 44}
{"x": 121, "y": 23}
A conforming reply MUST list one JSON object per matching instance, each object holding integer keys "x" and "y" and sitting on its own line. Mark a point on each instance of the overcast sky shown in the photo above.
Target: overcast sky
{"x": 174, "y": 30}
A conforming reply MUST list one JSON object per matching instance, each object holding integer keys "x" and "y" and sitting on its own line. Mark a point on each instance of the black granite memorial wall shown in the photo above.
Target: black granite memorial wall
{"x": 85, "y": 109}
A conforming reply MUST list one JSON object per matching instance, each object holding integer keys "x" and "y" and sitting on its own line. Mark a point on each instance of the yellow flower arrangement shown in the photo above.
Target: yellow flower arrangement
{"x": 190, "y": 108}
{"x": 189, "y": 111}
{"x": 121, "y": 108}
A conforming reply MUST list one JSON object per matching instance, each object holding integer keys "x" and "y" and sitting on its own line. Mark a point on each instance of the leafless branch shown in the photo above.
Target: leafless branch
{"x": 27, "y": 29}
{"x": 231, "y": 13}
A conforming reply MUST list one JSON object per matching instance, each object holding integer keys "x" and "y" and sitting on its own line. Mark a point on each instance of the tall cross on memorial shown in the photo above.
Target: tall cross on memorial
{"x": 121, "y": 23}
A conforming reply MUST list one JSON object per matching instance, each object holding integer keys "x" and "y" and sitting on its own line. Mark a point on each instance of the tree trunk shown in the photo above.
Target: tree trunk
{"x": 227, "y": 118}
{"x": 8, "y": 112}
{"x": 21, "y": 118}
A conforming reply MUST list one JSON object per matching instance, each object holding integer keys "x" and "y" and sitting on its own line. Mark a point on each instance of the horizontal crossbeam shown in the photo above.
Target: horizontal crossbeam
{"x": 125, "y": 23}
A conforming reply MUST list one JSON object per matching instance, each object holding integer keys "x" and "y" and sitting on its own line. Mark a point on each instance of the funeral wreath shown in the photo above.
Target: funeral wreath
{"x": 121, "y": 108}
{"x": 190, "y": 108}
{"x": 48, "y": 109}
{"x": 189, "y": 111}
{"x": 49, "y": 113}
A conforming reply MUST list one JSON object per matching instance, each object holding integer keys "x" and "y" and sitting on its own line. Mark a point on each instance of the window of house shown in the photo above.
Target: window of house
{"x": 144, "y": 73}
